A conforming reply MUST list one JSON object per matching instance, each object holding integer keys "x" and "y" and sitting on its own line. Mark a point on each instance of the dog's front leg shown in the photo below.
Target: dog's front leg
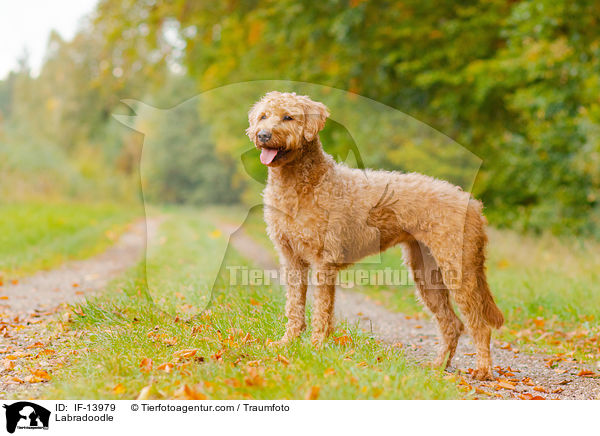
{"x": 322, "y": 322}
{"x": 296, "y": 279}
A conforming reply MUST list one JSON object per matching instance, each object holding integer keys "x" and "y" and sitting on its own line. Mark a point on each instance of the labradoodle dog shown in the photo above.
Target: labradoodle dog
{"x": 326, "y": 216}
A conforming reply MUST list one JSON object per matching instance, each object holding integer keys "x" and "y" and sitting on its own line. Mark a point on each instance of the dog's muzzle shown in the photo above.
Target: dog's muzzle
{"x": 264, "y": 136}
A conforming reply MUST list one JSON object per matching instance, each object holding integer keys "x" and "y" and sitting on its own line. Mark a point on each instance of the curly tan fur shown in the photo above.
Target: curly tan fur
{"x": 326, "y": 216}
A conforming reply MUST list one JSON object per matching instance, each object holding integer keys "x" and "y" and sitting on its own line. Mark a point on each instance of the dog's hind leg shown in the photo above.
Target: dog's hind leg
{"x": 473, "y": 296}
{"x": 435, "y": 296}
{"x": 471, "y": 305}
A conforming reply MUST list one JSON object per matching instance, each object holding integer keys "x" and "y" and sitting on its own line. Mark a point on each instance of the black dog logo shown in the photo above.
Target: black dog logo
{"x": 26, "y": 415}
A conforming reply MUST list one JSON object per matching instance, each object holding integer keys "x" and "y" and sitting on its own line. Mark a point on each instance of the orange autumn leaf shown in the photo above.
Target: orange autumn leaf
{"x": 328, "y": 372}
{"x": 146, "y": 364}
{"x": 169, "y": 341}
{"x": 186, "y": 353}
{"x": 313, "y": 393}
{"x": 254, "y": 302}
{"x": 539, "y": 389}
{"x": 3, "y": 297}
{"x": 539, "y": 322}
{"x": 586, "y": 373}
{"x": 343, "y": 340}
{"x": 186, "y": 392}
{"x": 481, "y": 391}
{"x": 166, "y": 367}
{"x": 118, "y": 389}
{"x": 505, "y": 385}
{"x": 40, "y": 374}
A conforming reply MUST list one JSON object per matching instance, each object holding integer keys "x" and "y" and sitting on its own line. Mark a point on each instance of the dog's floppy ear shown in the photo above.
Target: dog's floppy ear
{"x": 253, "y": 118}
{"x": 315, "y": 115}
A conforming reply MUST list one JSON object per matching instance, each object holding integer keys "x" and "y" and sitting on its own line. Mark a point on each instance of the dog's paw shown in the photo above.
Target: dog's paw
{"x": 483, "y": 374}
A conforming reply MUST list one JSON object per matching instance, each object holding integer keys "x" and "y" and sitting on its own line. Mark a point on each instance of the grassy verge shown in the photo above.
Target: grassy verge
{"x": 548, "y": 289}
{"x": 37, "y": 235}
{"x": 125, "y": 348}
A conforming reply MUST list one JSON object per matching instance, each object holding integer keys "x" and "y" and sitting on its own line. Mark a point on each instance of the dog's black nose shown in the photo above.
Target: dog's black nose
{"x": 264, "y": 136}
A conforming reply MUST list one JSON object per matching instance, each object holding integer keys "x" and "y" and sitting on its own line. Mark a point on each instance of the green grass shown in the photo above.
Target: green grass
{"x": 117, "y": 331}
{"x": 36, "y": 235}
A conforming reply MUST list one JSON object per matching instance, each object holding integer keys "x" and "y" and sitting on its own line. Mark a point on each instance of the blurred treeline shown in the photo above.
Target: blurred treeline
{"x": 516, "y": 82}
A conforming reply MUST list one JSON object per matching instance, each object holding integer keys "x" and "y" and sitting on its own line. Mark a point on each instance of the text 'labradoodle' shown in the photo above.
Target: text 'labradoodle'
{"x": 326, "y": 216}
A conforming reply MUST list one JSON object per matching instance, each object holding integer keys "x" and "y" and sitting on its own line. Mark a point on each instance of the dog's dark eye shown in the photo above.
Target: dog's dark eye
{"x": 263, "y": 117}
{"x": 287, "y": 118}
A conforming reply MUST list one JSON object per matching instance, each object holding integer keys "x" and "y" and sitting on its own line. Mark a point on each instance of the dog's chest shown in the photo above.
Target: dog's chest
{"x": 294, "y": 216}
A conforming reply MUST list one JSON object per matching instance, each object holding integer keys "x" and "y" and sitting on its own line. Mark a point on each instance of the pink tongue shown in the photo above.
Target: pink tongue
{"x": 267, "y": 155}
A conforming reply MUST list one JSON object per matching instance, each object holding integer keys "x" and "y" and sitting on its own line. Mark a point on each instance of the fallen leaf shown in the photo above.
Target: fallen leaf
{"x": 343, "y": 340}
{"x": 146, "y": 364}
{"x": 188, "y": 393}
{"x": 539, "y": 322}
{"x": 186, "y": 353}
{"x": 118, "y": 389}
{"x": 166, "y": 367}
{"x": 3, "y": 297}
{"x": 586, "y": 373}
{"x": 313, "y": 393}
{"x": 328, "y": 372}
{"x": 169, "y": 341}
{"x": 254, "y": 302}
{"x": 539, "y": 389}
{"x": 40, "y": 374}
{"x": 505, "y": 385}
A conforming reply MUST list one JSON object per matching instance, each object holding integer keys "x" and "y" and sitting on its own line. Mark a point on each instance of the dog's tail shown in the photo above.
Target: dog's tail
{"x": 491, "y": 313}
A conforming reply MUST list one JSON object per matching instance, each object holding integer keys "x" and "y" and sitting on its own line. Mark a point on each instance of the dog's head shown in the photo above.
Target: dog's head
{"x": 282, "y": 123}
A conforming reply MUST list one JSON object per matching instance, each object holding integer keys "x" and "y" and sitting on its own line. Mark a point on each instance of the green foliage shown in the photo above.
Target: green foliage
{"x": 514, "y": 82}
{"x": 183, "y": 164}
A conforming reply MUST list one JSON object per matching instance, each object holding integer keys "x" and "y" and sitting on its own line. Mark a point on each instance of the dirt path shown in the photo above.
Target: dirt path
{"x": 520, "y": 375}
{"x": 26, "y": 308}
